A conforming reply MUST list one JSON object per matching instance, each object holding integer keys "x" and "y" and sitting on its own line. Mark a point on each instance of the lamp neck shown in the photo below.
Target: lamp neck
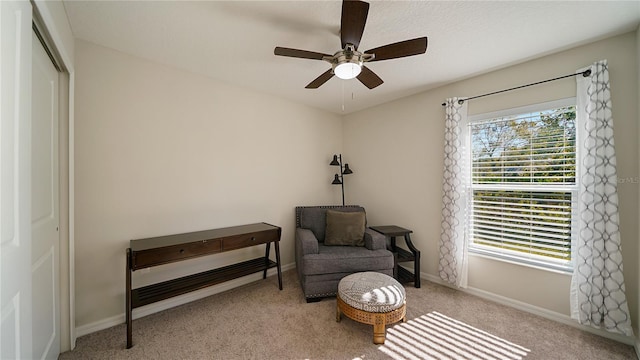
{"x": 341, "y": 177}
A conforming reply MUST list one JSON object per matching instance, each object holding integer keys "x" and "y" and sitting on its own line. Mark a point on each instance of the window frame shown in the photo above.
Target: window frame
{"x": 507, "y": 255}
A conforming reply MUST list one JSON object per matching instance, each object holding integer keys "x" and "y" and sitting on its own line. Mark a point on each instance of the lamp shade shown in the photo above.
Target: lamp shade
{"x": 336, "y": 180}
{"x": 346, "y": 170}
{"x": 334, "y": 162}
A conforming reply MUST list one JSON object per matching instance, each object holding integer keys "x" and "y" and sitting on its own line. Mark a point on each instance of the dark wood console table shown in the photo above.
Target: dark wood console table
{"x": 401, "y": 255}
{"x": 144, "y": 253}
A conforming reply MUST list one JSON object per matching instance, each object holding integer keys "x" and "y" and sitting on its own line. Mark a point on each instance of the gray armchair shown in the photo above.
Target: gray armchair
{"x": 320, "y": 266}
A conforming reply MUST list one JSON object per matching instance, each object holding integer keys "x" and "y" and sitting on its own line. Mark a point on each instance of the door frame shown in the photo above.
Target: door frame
{"x": 54, "y": 27}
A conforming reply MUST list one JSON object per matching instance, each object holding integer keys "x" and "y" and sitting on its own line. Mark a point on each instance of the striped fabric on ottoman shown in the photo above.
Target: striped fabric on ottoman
{"x": 371, "y": 298}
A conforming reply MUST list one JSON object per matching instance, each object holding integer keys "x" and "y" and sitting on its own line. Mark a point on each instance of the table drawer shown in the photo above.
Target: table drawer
{"x": 250, "y": 239}
{"x": 157, "y": 256}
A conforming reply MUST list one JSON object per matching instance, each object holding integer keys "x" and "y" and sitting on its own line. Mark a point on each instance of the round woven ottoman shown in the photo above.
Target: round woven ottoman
{"x": 371, "y": 298}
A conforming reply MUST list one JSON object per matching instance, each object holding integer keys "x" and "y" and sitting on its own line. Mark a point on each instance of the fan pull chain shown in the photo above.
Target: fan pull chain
{"x": 342, "y": 95}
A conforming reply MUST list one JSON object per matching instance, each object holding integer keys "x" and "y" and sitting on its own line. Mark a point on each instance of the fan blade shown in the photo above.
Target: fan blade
{"x": 303, "y": 54}
{"x": 354, "y": 17}
{"x": 320, "y": 80}
{"x": 399, "y": 49}
{"x": 369, "y": 78}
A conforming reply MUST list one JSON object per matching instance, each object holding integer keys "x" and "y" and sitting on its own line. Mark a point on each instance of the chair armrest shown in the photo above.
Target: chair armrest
{"x": 306, "y": 242}
{"x": 373, "y": 240}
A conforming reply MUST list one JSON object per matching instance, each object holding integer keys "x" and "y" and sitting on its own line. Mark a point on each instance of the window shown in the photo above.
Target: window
{"x": 522, "y": 184}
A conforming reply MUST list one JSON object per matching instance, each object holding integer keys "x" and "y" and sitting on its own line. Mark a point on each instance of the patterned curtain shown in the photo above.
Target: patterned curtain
{"x": 597, "y": 286}
{"x": 452, "y": 266}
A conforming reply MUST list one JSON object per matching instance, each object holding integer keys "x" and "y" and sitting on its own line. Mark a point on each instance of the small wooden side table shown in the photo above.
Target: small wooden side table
{"x": 401, "y": 255}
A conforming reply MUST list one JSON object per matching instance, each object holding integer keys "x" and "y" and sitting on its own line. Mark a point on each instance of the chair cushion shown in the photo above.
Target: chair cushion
{"x": 371, "y": 292}
{"x": 346, "y": 259}
{"x": 344, "y": 228}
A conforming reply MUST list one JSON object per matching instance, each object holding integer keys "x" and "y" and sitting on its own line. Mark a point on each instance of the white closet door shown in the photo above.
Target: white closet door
{"x": 45, "y": 241}
{"x": 15, "y": 180}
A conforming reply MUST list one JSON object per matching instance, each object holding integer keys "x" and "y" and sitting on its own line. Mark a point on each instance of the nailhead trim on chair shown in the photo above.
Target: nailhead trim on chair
{"x": 321, "y": 295}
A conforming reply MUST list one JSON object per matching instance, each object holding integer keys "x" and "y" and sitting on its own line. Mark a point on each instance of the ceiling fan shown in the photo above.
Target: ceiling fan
{"x": 348, "y": 62}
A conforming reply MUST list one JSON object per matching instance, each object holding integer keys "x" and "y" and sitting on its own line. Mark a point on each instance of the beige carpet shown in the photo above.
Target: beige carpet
{"x": 257, "y": 321}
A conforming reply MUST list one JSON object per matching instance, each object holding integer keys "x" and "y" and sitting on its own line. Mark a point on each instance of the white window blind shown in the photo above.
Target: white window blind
{"x": 523, "y": 186}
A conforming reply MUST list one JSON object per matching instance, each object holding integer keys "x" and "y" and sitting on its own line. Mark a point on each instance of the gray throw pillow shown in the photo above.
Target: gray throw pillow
{"x": 345, "y": 228}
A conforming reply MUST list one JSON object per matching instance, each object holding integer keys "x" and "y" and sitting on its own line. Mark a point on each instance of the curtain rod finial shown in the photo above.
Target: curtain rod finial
{"x": 586, "y": 73}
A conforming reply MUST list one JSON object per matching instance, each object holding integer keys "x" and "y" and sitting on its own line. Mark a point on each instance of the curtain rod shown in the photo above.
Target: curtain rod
{"x": 584, "y": 73}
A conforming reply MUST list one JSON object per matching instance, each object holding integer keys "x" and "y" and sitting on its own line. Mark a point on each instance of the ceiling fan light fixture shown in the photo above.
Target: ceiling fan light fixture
{"x": 347, "y": 70}
{"x": 347, "y": 62}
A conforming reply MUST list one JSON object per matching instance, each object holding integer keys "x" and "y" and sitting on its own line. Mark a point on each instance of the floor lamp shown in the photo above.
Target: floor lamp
{"x": 339, "y": 179}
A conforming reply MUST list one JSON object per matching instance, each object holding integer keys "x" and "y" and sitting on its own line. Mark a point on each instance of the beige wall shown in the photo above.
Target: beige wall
{"x": 161, "y": 151}
{"x": 397, "y": 150}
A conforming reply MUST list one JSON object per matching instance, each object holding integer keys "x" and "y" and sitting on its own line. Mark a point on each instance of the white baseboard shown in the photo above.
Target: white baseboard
{"x": 545, "y": 313}
{"x": 175, "y": 301}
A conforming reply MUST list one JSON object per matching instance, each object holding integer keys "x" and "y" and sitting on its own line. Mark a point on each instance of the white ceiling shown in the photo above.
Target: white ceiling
{"x": 233, "y": 41}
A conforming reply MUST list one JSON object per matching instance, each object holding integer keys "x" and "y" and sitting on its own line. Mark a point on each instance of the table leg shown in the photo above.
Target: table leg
{"x": 416, "y": 262}
{"x": 395, "y": 265}
{"x": 277, "y": 243}
{"x": 395, "y": 256}
{"x": 379, "y": 329}
{"x": 128, "y": 300}
{"x": 266, "y": 260}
